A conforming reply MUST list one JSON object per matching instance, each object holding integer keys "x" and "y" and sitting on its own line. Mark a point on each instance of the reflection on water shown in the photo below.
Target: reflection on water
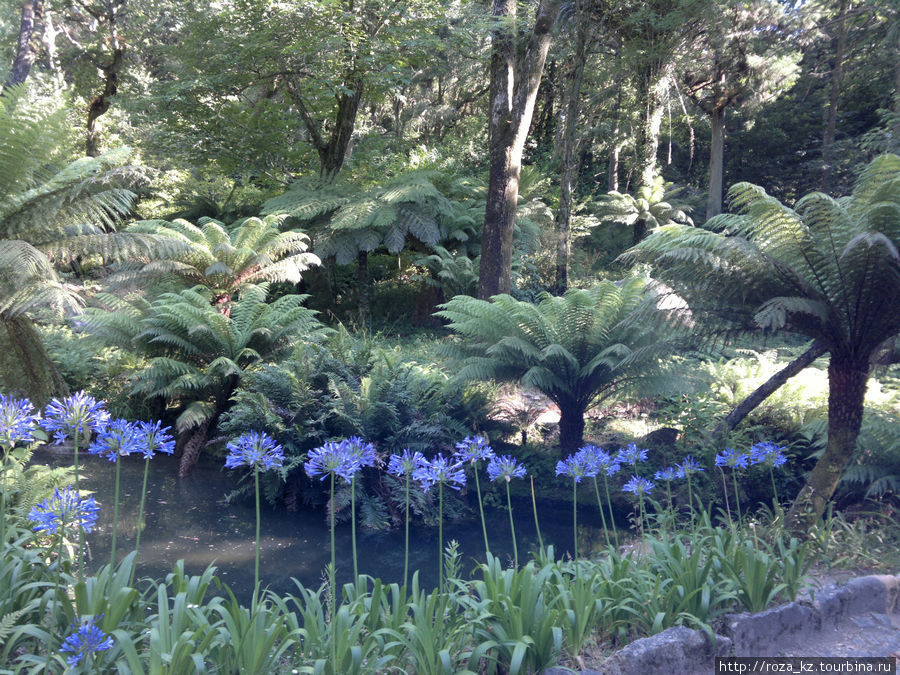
{"x": 187, "y": 518}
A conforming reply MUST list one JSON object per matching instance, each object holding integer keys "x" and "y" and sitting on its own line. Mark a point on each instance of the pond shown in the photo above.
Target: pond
{"x": 188, "y": 518}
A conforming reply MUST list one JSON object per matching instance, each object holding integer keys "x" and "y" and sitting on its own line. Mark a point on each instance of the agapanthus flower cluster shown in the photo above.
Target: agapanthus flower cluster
{"x": 154, "y": 437}
{"x": 364, "y": 452}
{"x": 639, "y": 486}
{"x": 64, "y": 508}
{"x": 669, "y": 473}
{"x": 87, "y": 640}
{"x": 473, "y": 448}
{"x": 17, "y": 421}
{"x": 689, "y": 466}
{"x": 118, "y": 439}
{"x": 78, "y": 413}
{"x": 440, "y": 470}
{"x": 631, "y": 454}
{"x": 575, "y": 466}
{"x": 598, "y": 461}
{"x": 505, "y": 467}
{"x": 732, "y": 459}
{"x": 332, "y": 458}
{"x": 405, "y": 464}
{"x": 255, "y": 450}
{"x": 767, "y": 453}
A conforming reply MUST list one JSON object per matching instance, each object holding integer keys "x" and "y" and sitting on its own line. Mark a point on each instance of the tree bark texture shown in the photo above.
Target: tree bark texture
{"x": 30, "y": 31}
{"x": 847, "y": 379}
{"x": 767, "y": 388}
{"x": 568, "y": 164}
{"x": 100, "y": 103}
{"x": 716, "y": 162}
{"x": 653, "y": 87}
{"x": 513, "y": 90}
{"x": 571, "y": 429}
{"x": 837, "y": 73}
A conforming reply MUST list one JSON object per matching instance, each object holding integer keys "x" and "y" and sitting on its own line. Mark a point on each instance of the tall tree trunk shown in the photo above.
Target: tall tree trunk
{"x": 333, "y": 154}
{"x": 513, "y": 90}
{"x": 847, "y": 379}
{"x": 612, "y": 169}
{"x": 716, "y": 162}
{"x": 568, "y": 161}
{"x": 363, "y": 283}
{"x": 100, "y": 104}
{"x": 30, "y": 31}
{"x": 837, "y": 73}
{"x": 653, "y": 87}
{"x": 571, "y": 429}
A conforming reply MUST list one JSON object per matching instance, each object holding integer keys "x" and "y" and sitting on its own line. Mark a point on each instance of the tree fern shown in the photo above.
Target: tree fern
{"x": 827, "y": 269}
{"x": 578, "y": 349}
{"x": 225, "y": 258}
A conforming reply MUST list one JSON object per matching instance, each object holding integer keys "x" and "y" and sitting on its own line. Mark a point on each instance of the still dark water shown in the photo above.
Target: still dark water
{"x": 188, "y": 518}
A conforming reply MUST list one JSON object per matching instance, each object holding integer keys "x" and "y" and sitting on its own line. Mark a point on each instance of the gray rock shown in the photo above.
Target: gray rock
{"x": 877, "y": 593}
{"x": 754, "y": 634}
{"x": 676, "y": 650}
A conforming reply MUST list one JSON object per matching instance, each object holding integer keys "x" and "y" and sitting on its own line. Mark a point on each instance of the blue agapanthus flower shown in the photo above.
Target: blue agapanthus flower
{"x": 473, "y": 448}
{"x": 669, "y": 473}
{"x": 17, "y": 421}
{"x": 118, "y": 439}
{"x": 78, "y": 413}
{"x": 598, "y": 461}
{"x": 639, "y": 486}
{"x": 405, "y": 464}
{"x": 574, "y": 466}
{"x": 332, "y": 458}
{"x": 689, "y": 466}
{"x": 88, "y": 639}
{"x": 505, "y": 467}
{"x": 64, "y": 508}
{"x": 364, "y": 452}
{"x": 631, "y": 454}
{"x": 767, "y": 453}
{"x": 440, "y": 470}
{"x": 154, "y": 437}
{"x": 256, "y": 450}
{"x": 732, "y": 459}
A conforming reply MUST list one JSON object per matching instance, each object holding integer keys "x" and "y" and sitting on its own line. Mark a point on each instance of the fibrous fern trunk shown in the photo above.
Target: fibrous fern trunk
{"x": 847, "y": 377}
{"x": 196, "y": 439}
{"x": 571, "y": 428}
{"x": 25, "y": 364}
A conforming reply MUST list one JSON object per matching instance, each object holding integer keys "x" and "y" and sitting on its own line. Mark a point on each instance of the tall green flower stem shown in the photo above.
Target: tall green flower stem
{"x": 353, "y": 525}
{"x": 256, "y": 559}
{"x": 641, "y": 510}
{"x": 332, "y": 589}
{"x": 512, "y": 527}
{"x": 774, "y": 489}
{"x": 602, "y": 514}
{"x": 140, "y": 520}
{"x": 78, "y": 492}
{"x": 737, "y": 498}
{"x": 537, "y": 525}
{"x": 725, "y": 494}
{"x": 487, "y": 548}
{"x": 440, "y": 535}
{"x": 609, "y": 504}
{"x": 406, "y": 536}
{"x": 575, "y": 518}
{"x": 115, "y": 532}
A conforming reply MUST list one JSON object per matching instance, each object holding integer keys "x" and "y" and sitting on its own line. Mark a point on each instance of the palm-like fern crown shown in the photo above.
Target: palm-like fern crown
{"x": 224, "y": 259}
{"x": 48, "y": 214}
{"x": 828, "y": 268}
{"x": 576, "y": 348}
{"x": 384, "y": 216}
{"x": 651, "y": 204}
{"x": 194, "y": 347}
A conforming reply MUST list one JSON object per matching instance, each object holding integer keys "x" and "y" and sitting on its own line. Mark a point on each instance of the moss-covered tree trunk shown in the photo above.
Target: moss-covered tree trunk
{"x": 847, "y": 377}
